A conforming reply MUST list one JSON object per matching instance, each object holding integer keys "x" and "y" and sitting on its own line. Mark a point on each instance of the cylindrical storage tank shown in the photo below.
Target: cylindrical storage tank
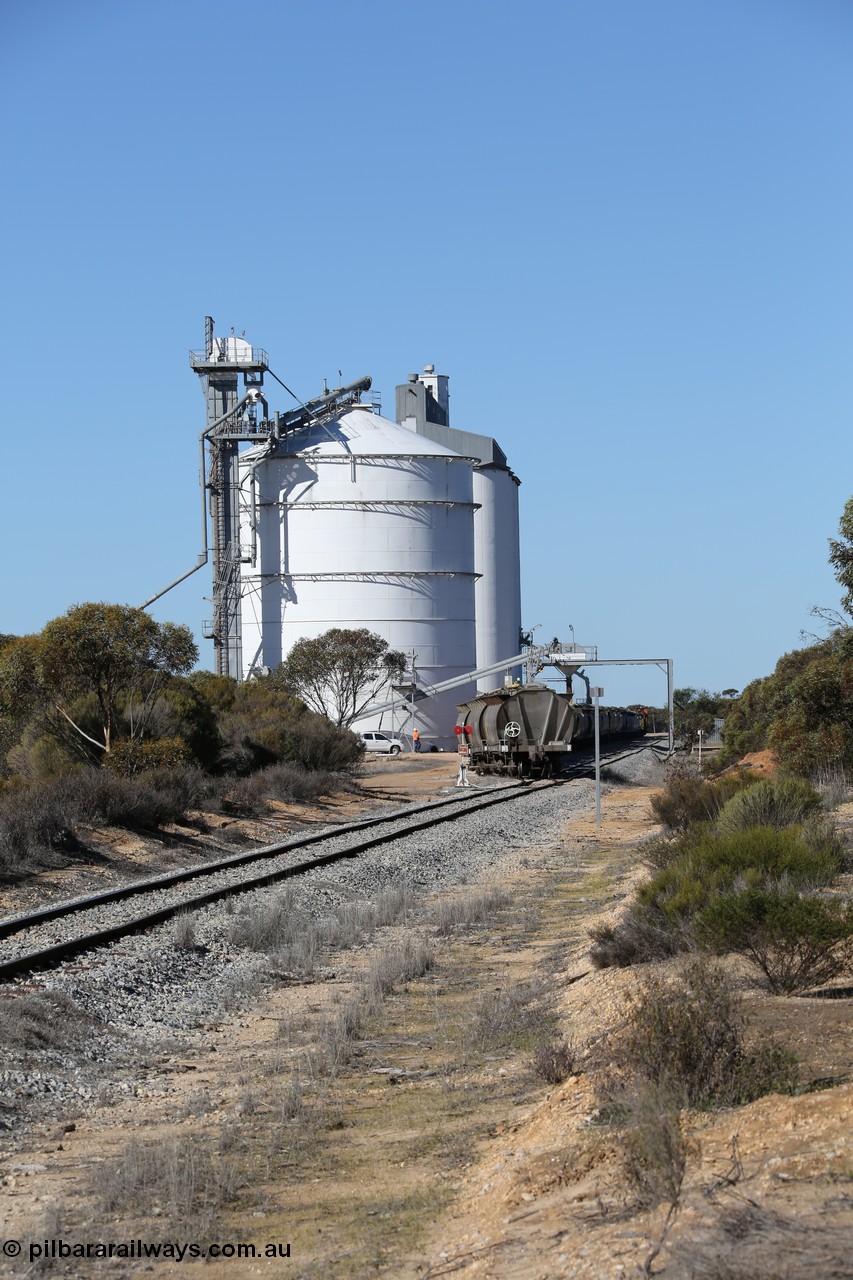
{"x": 496, "y": 559}
{"x": 359, "y": 522}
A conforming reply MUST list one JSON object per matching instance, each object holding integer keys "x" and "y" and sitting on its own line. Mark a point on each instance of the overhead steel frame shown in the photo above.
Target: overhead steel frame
{"x": 568, "y": 661}
{"x": 665, "y": 664}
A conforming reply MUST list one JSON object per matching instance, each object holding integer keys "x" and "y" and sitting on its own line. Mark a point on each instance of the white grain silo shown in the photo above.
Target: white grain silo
{"x": 359, "y": 522}
{"x": 423, "y": 405}
{"x": 498, "y": 565}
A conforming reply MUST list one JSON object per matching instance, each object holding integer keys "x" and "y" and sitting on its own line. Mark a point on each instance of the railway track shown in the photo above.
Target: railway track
{"x": 584, "y": 766}
{"x": 72, "y": 934}
{"x": 45, "y": 938}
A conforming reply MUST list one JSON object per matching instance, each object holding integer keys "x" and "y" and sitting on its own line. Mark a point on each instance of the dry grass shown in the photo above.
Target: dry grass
{"x": 687, "y": 1039}
{"x": 411, "y": 960}
{"x": 655, "y": 1143}
{"x": 185, "y": 1180}
{"x": 46, "y": 1021}
{"x": 338, "y": 1037}
{"x": 367, "y": 1161}
{"x": 290, "y": 1100}
{"x": 297, "y": 944}
{"x": 510, "y": 1018}
{"x": 752, "y": 1243}
{"x": 554, "y": 1061}
{"x": 834, "y": 785}
{"x": 183, "y": 931}
{"x": 196, "y": 1104}
{"x": 473, "y": 911}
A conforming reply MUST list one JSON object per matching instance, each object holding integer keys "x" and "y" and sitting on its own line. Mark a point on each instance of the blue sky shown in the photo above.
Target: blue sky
{"x": 621, "y": 228}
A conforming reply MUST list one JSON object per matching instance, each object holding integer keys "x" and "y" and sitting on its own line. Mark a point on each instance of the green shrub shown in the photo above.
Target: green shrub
{"x": 186, "y": 787}
{"x": 265, "y": 725}
{"x": 747, "y": 722}
{"x": 700, "y": 865}
{"x": 129, "y": 758}
{"x": 688, "y": 799}
{"x": 688, "y": 1040}
{"x": 292, "y": 783}
{"x": 39, "y": 757}
{"x": 317, "y": 744}
{"x": 773, "y": 802}
{"x": 801, "y": 711}
{"x": 246, "y": 796}
{"x": 188, "y": 710}
{"x": 100, "y": 797}
{"x": 820, "y": 832}
{"x": 711, "y": 864}
{"x": 796, "y": 942}
{"x": 660, "y": 852}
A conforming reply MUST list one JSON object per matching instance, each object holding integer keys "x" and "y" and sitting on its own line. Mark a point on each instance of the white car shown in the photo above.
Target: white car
{"x": 381, "y": 742}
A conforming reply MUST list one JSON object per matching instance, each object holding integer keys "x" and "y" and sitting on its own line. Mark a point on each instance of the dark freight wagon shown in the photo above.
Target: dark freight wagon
{"x": 526, "y": 730}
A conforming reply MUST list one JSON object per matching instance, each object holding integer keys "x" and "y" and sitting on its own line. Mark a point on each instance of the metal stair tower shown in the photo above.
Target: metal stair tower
{"x": 220, "y": 367}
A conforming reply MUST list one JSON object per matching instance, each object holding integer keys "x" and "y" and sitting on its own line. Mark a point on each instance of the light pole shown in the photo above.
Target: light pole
{"x": 596, "y": 694}
{"x": 574, "y": 646}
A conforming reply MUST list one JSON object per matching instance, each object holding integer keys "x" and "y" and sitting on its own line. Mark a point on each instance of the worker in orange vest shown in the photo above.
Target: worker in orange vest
{"x": 416, "y": 740}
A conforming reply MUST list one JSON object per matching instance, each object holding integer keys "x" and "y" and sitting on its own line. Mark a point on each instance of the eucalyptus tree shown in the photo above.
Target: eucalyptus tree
{"x": 841, "y": 556}
{"x": 114, "y": 655}
{"x": 339, "y": 673}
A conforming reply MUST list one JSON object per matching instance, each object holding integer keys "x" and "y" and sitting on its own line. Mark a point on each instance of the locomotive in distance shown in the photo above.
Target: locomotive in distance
{"x": 526, "y": 730}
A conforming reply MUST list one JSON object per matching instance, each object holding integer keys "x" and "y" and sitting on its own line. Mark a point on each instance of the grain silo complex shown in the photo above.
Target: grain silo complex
{"x": 331, "y": 515}
{"x": 423, "y": 404}
{"x": 361, "y": 523}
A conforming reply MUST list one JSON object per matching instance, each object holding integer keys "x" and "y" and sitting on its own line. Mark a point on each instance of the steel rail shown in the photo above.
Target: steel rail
{"x": 49, "y": 956}
{"x": 582, "y": 768}
{"x": 58, "y": 910}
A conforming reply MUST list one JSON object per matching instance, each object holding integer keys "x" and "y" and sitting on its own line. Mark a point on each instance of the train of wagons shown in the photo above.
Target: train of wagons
{"x": 528, "y": 730}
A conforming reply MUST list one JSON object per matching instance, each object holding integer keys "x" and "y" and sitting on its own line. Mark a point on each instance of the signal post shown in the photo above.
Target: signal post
{"x": 463, "y": 733}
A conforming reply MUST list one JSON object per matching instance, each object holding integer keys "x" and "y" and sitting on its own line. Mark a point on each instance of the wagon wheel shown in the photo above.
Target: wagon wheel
{"x": 512, "y": 729}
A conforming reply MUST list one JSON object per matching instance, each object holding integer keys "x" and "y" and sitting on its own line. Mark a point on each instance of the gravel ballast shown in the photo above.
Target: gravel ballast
{"x": 138, "y": 998}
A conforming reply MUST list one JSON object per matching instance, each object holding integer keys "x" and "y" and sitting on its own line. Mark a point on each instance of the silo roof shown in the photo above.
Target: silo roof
{"x": 360, "y": 432}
